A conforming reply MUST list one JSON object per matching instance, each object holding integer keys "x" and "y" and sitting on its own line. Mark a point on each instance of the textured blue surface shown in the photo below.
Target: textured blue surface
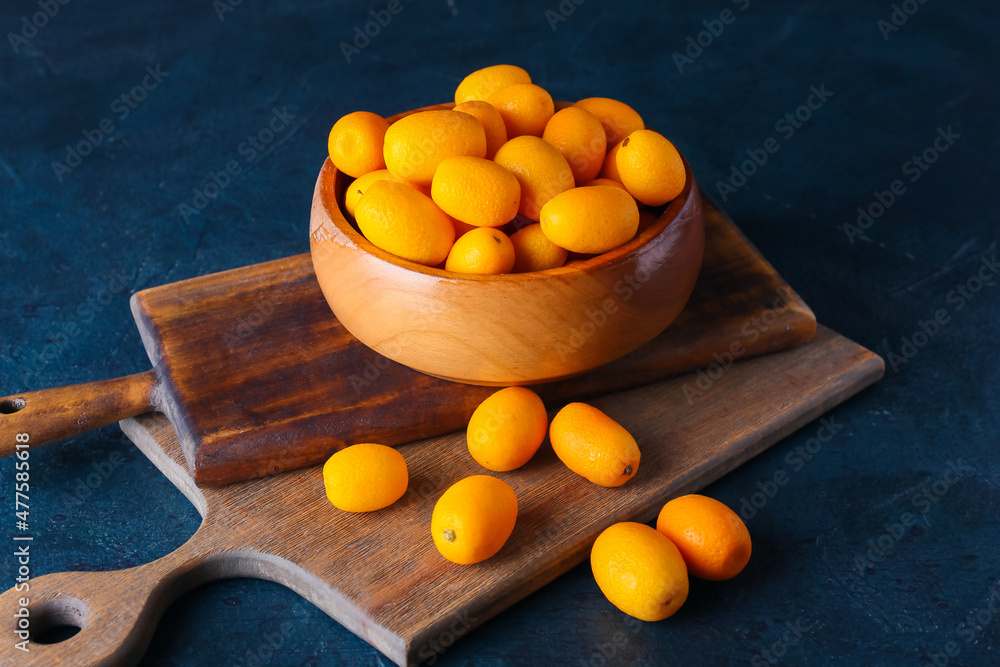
{"x": 75, "y": 244}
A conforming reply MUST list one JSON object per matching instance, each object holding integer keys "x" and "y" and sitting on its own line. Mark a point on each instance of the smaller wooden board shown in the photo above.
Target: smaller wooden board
{"x": 379, "y": 573}
{"x": 258, "y": 377}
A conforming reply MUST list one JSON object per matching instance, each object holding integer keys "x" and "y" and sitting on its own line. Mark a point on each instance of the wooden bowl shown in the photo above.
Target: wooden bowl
{"x": 513, "y": 329}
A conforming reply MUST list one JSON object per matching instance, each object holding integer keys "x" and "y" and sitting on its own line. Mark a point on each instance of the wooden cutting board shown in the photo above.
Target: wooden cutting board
{"x": 282, "y": 528}
{"x": 258, "y": 377}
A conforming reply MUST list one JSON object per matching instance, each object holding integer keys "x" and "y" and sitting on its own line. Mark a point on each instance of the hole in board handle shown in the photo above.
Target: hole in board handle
{"x": 9, "y": 406}
{"x": 58, "y": 620}
{"x": 54, "y": 634}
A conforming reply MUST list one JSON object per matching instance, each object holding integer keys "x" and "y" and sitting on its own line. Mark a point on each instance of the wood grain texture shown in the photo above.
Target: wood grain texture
{"x": 283, "y": 529}
{"x": 511, "y": 329}
{"x": 261, "y": 378}
{"x": 53, "y": 414}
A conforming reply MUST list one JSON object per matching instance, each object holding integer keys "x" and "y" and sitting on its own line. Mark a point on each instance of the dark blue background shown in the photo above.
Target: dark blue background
{"x": 73, "y": 250}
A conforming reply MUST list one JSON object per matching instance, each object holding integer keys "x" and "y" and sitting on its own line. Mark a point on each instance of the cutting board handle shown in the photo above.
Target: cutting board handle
{"x": 40, "y": 417}
{"x": 116, "y": 611}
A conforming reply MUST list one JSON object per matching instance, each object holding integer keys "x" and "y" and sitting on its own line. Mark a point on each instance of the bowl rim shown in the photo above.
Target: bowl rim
{"x": 332, "y": 181}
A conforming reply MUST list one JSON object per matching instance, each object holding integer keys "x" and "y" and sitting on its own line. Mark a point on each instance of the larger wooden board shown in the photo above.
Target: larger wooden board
{"x": 283, "y": 529}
